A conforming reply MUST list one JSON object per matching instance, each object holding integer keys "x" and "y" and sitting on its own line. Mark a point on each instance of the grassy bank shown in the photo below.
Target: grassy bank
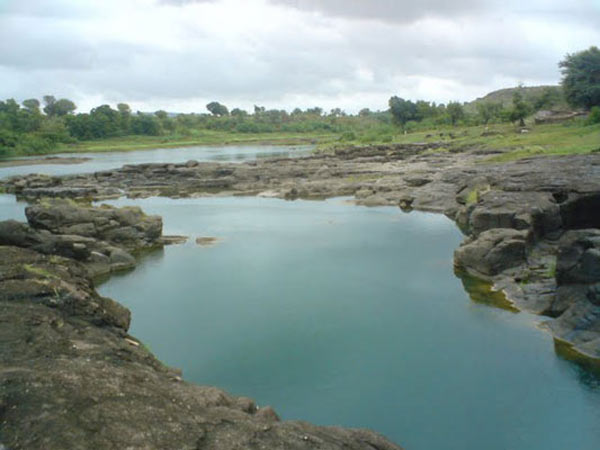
{"x": 509, "y": 141}
{"x": 207, "y": 137}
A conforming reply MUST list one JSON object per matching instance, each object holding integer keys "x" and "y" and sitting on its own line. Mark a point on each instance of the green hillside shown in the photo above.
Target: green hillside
{"x": 548, "y": 97}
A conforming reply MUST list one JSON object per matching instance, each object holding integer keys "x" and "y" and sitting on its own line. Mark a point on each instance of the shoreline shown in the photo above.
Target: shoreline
{"x": 514, "y": 225}
{"x": 512, "y": 214}
{"x": 35, "y": 160}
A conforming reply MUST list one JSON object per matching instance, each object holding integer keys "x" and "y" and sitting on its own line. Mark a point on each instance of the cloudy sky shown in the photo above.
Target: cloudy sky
{"x": 178, "y": 55}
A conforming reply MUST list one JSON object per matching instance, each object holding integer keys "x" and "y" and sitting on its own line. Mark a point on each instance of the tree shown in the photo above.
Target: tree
{"x": 520, "y": 109}
{"x": 315, "y": 111}
{"x": 59, "y": 108}
{"x": 581, "y": 78}
{"x": 237, "y": 112}
{"x": 217, "y": 109}
{"x": 161, "y": 114}
{"x": 455, "y": 112}
{"x": 32, "y": 105}
{"x": 124, "y": 108}
{"x": 49, "y": 101}
{"x": 402, "y": 110}
{"x": 488, "y": 111}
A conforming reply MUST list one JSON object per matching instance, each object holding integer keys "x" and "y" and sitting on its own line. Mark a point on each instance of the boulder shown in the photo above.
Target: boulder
{"x": 493, "y": 251}
{"x": 127, "y": 227}
{"x": 578, "y": 260}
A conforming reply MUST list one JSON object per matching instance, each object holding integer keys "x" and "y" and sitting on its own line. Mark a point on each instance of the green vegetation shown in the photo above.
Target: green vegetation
{"x": 38, "y": 271}
{"x": 485, "y": 123}
{"x": 581, "y": 78}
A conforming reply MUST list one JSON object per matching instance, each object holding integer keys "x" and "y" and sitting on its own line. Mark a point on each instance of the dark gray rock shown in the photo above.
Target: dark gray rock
{"x": 493, "y": 251}
{"x": 127, "y": 227}
{"x": 578, "y": 259}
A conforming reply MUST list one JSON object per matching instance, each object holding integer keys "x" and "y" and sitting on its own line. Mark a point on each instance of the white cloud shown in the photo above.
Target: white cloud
{"x": 179, "y": 54}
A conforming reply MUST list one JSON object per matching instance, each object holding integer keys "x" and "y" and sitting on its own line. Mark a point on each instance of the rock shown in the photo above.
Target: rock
{"x": 128, "y": 227}
{"x": 206, "y": 241}
{"x": 173, "y": 240}
{"x": 578, "y": 259}
{"x": 120, "y": 259}
{"x": 493, "y": 251}
{"x": 417, "y": 181}
{"x": 268, "y": 414}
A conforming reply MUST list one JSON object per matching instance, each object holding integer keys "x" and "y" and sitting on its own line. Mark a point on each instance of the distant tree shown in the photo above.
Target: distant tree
{"x": 296, "y": 112}
{"x": 146, "y": 124}
{"x": 488, "y": 111}
{"x": 258, "y": 110}
{"x": 336, "y": 112}
{"x": 49, "y": 101}
{"x": 162, "y": 115}
{"x": 424, "y": 110}
{"x": 315, "y": 111}
{"x": 455, "y": 111}
{"x": 217, "y": 109}
{"x": 58, "y": 108}
{"x": 365, "y": 112}
{"x": 581, "y": 78}
{"x": 124, "y": 108}
{"x": 402, "y": 110}
{"x": 520, "y": 109}
{"x": 63, "y": 107}
{"x": 237, "y": 112}
{"x": 549, "y": 97}
{"x": 32, "y": 105}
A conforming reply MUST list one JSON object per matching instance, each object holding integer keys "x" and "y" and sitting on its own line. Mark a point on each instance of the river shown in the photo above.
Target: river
{"x": 345, "y": 315}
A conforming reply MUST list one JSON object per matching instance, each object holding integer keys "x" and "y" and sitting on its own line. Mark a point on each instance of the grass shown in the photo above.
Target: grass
{"x": 472, "y": 197}
{"x": 205, "y": 137}
{"x": 549, "y": 139}
{"x": 506, "y": 139}
{"x": 38, "y": 271}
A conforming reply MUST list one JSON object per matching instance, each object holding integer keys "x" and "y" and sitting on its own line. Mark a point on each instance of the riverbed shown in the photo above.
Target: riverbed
{"x": 346, "y": 315}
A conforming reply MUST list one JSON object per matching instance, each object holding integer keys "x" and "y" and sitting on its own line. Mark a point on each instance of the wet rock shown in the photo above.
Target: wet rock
{"x": 493, "y": 251}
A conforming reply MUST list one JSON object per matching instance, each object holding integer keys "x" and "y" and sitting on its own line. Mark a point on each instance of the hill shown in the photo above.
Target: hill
{"x": 548, "y": 97}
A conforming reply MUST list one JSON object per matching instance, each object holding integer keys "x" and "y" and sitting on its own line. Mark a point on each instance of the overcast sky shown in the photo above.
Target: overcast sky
{"x": 178, "y": 55}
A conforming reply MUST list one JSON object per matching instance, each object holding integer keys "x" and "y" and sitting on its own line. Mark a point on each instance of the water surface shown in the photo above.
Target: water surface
{"x": 113, "y": 160}
{"x": 352, "y": 316}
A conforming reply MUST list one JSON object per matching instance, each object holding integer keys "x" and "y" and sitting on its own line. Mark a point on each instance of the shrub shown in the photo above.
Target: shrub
{"x": 594, "y": 116}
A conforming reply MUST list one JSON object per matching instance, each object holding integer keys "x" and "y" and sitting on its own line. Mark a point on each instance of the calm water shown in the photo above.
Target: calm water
{"x": 352, "y": 316}
{"x": 113, "y": 160}
{"x": 343, "y": 315}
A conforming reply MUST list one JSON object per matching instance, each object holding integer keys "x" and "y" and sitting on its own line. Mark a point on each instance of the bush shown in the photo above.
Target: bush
{"x": 594, "y": 116}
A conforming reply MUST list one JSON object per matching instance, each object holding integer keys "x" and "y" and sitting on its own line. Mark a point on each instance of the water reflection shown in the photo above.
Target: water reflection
{"x": 481, "y": 291}
{"x": 112, "y": 160}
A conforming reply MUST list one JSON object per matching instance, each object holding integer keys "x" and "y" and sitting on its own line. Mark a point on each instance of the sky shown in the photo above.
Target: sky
{"x": 178, "y": 55}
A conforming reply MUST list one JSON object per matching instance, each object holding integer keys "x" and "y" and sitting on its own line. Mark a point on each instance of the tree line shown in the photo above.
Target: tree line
{"x": 37, "y": 127}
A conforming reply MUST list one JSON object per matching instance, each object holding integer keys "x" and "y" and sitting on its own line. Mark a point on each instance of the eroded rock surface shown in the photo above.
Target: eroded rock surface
{"x": 514, "y": 215}
{"x": 102, "y": 238}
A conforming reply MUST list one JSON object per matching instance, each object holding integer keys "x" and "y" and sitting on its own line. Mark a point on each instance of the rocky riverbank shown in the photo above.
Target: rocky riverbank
{"x": 71, "y": 375}
{"x": 531, "y": 225}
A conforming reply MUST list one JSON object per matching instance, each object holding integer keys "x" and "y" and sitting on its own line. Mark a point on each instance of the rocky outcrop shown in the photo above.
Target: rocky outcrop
{"x": 493, "y": 251}
{"x": 127, "y": 227}
{"x": 72, "y": 377}
{"x": 513, "y": 214}
{"x": 102, "y": 238}
{"x": 577, "y": 303}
